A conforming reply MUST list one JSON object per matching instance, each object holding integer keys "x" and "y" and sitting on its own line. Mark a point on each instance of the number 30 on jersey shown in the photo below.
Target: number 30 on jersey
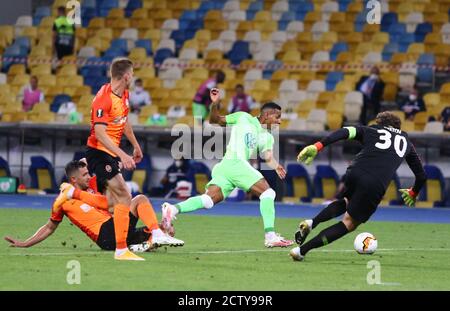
{"x": 400, "y": 143}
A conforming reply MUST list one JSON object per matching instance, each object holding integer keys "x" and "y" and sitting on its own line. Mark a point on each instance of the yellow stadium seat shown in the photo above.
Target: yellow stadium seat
{"x": 353, "y": 40}
{"x": 344, "y": 30}
{"x": 67, "y": 70}
{"x": 336, "y": 19}
{"x": 311, "y": 18}
{"x": 334, "y": 120}
{"x": 404, "y": 9}
{"x": 260, "y": 18}
{"x": 431, "y": 99}
{"x": 353, "y": 9}
{"x": 414, "y": 51}
{"x": 242, "y": 28}
{"x": 94, "y": 25}
{"x": 420, "y": 120}
{"x": 304, "y": 108}
{"x": 47, "y": 80}
{"x": 16, "y": 69}
{"x": 431, "y": 41}
{"x": 369, "y": 30}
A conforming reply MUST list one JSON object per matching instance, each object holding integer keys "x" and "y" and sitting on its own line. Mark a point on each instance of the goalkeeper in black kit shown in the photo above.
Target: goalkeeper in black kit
{"x": 384, "y": 146}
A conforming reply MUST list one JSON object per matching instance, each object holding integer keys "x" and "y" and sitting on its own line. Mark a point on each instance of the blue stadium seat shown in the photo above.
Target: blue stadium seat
{"x": 253, "y": 8}
{"x": 422, "y": 30}
{"x": 298, "y": 183}
{"x": 186, "y": 17}
{"x": 161, "y": 55}
{"x": 270, "y": 67}
{"x": 332, "y": 79}
{"x": 42, "y": 174}
{"x": 387, "y": 20}
{"x": 192, "y": 28}
{"x": 396, "y": 31}
{"x": 343, "y": 4}
{"x": 302, "y": 10}
{"x": 113, "y": 53}
{"x": 199, "y": 175}
{"x": 58, "y": 101}
{"x": 425, "y": 74}
{"x": 105, "y": 6}
{"x": 388, "y": 50}
{"x": 13, "y": 54}
{"x": 41, "y": 12}
{"x": 4, "y": 168}
{"x": 23, "y": 42}
{"x": 325, "y": 182}
{"x": 146, "y": 44}
{"x": 95, "y": 82}
{"x": 360, "y": 21}
{"x": 405, "y": 40}
{"x": 434, "y": 190}
{"x": 239, "y": 51}
{"x": 120, "y": 44}
{"x": 87, "y": 13}
{"x": 337, "y": 48}
{"x": 179, "y": 36}
{"x": 285, "y": 19}
{"x": 141, "y": 175}
{"x": 205, "y": 6}
{"x": 131, "y": 6}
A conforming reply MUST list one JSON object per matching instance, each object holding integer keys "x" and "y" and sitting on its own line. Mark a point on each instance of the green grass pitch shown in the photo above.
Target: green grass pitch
{"x": 226, "y": 253}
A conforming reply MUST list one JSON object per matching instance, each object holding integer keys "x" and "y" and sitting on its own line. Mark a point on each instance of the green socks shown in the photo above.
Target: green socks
{"x": 191, "y": 204}
{"x": 267, "y": 208}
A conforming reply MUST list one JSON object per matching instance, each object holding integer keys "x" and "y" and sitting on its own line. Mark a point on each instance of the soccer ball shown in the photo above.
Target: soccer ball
{"x": 365, "y": 243}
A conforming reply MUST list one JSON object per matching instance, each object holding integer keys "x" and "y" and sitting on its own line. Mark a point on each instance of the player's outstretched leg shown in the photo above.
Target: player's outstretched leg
{"x": 325, "y": 237}
{"x": 334, "y": 209}
{"x": 267, "y": 208}
{"x": 212, "y": 196}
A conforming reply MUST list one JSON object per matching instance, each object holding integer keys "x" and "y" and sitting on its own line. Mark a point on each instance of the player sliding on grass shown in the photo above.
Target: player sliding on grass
{"x": 89, "y": 212}
{"x": 384, "y": 146}
{"x": 247, "y": 137}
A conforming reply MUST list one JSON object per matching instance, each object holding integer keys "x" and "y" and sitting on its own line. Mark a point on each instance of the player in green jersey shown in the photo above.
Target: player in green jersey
{"x": 248, "y": 136}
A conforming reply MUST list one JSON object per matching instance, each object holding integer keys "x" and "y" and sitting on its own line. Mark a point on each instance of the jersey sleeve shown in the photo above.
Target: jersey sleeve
{"x": 234, "y": 117}
{"x": 57, "y": 215}
{"x": 265, "y": 142}
{"x": 101, "y": 108}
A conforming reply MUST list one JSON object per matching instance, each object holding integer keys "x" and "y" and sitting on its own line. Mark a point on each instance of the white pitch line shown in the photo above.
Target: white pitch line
{"x": 238, "y": 251}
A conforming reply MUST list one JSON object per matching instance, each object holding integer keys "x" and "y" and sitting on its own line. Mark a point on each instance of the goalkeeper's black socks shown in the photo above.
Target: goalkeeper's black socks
{"x": 326, "y": 236}
{"x": 334, "y": 209}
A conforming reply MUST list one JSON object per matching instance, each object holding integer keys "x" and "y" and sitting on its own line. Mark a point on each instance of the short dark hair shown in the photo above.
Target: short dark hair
{"x": 119, "y": 67}
{"x": 73, "y": 166}
{"x": 239, "y": 85}
{"x": 387, "y": 118}
{"x": 270, "y": 105}
{"x": 139, "y": 80}
{"x": 61, "y": 9}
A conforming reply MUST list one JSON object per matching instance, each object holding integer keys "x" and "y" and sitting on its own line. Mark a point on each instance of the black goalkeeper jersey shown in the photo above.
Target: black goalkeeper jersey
{"x": 384, "y": 149}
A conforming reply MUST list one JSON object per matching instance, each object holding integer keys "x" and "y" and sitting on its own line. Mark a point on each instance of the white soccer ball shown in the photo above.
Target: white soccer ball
{"x": 365, "y": 243}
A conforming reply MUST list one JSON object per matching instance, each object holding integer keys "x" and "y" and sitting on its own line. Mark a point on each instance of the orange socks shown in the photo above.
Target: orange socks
{"x": 148, "y": 216}
{"x": 121, "y": 223}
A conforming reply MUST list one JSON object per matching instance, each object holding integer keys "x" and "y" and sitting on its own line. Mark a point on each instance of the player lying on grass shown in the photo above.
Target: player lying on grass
{"x": 89, "y": 212}
{"x": 247, "y": 137}
{"x": 384, "y": 146}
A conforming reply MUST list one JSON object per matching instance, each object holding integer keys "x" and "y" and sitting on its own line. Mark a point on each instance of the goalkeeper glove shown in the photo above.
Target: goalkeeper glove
{"x": 408, "y": 196}
{"x": 308, "y": 153}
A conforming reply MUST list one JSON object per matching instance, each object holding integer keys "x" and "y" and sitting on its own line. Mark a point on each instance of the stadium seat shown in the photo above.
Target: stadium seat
{"x": 58, "y": 101}
{"x": 325, "y": 182}
{"x": 298, "y": 183}
{"x": 141, "y": 175}
{"x": 425, "y": 74}
{"x": 42, "y": 174}
{"x": 199, "y": 175}
{"x": 131, "y": 6}
{"x": 332, "y": 79}
{"x": 338, "y": 48}
{"x": 433, "y": 194}
{"x": 422, "y": 30}
{"x": 387, "y": 20}
{"x": 4, "y": 168}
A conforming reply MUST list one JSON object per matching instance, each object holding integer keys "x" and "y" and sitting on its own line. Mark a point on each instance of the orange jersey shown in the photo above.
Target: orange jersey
{"x": 88, "y": 217}
{"x": 112, "y": 111}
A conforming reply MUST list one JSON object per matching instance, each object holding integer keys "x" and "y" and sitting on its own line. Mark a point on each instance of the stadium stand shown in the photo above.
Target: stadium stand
{"x": 306, "y": 55}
